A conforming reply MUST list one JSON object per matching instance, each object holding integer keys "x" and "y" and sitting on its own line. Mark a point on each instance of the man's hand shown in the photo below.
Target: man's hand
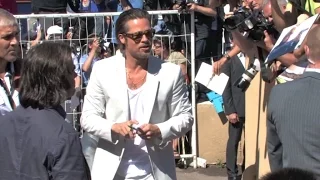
{"x": 218, "y": 64}
{"x": 192, "y": 7}
{"x": 302, "y": 18}
{"x": 148, "y": 131}
{"x": 269, "y": 41}
{"x": 124, "y": 129}
{"x": 233, "y": 118}
{"x": 69, "y": 35}
{"x": 228, "y": 14}
{"x": 95, "y": 45}
{"x": 176, "y": 7}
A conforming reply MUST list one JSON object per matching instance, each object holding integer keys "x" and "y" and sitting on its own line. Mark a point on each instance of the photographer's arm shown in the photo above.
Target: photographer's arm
{"x": 218, "y": 64}
{"x": 86, "y": 67}
{"x": 246, "y": 45}
{"x": 283, "y": 19}
{"x": 317, "y": 10}
{"x": 286, "y": 59}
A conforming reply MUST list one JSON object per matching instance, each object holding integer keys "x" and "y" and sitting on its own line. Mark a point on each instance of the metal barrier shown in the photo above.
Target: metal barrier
{"x": 75, "y": 28}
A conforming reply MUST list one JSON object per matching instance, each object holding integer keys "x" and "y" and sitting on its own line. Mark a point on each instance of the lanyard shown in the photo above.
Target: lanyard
{"x": 13, "y": 106}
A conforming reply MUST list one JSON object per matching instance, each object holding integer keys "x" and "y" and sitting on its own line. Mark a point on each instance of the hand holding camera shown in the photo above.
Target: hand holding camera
{"x": 192, "y": 7}
{"x": 95, "y": 45}
{"x": 185, "y": 6}
{"x": 250, "y": 21}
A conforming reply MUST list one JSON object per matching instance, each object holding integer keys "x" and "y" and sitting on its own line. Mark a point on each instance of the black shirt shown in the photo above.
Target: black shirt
{"x": 40, "y": 145}
{"x": 54, "y": 6}
{"x": 202, "y": 23}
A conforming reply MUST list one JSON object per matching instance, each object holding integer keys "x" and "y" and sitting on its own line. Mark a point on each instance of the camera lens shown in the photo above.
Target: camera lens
{"x": 243, "y": 84}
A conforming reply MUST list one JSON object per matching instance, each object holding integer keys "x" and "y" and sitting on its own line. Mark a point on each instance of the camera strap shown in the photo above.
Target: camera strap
{"x": 266, "y": 74}
{"x": 8, "y": 93}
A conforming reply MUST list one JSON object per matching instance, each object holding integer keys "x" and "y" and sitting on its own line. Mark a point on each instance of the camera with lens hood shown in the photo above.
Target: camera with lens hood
{"x": 250, "y": 21}
{"x": 244, "y": 81}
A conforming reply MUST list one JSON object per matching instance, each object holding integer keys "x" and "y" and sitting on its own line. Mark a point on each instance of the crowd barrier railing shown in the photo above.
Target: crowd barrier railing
{"x": 30, "y": 23}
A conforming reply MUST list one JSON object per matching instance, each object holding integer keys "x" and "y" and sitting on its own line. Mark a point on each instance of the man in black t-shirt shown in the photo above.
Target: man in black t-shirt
{"x": 205, "y": 11}
{"x": 54, "y": 7}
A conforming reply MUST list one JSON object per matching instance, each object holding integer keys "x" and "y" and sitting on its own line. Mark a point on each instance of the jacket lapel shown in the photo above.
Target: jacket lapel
{"x": 150, "y": 96}
{"x": 121, "y": 85}
{"x": 152, "y": 87}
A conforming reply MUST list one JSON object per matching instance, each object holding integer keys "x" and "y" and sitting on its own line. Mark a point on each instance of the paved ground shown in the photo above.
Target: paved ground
{"x": 210, "y": 173}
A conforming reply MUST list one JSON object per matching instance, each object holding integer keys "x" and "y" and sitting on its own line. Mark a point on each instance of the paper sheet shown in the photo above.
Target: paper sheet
{"x": 216, "y": 83}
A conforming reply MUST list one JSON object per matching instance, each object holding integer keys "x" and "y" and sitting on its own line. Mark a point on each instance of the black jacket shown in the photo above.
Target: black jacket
{"x": 40, "y": 145}
{"x": 54, "y": 5}
{"x": 233, "y": 97}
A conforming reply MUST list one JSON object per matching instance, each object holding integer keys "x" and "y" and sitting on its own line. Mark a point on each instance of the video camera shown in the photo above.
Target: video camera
{"x": 250, "y": 21}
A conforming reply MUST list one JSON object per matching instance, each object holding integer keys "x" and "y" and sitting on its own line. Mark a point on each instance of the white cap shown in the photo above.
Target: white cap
{"x": 54, "y": 30}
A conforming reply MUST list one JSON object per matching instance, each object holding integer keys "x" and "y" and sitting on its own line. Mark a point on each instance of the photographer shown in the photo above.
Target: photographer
{"x": 295, "y": 10}
{"x": 266, "y": 40}
{"x": 54, "y": 7}
{"x": 87, "y": 60}
{"x": 204, "y": 11}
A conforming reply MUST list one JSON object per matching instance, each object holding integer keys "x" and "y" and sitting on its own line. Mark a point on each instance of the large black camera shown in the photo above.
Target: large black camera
{"x": 250, "y": 21}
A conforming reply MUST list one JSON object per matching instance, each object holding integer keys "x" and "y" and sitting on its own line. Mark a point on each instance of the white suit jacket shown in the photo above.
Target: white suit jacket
{"x": 106, "y": 103}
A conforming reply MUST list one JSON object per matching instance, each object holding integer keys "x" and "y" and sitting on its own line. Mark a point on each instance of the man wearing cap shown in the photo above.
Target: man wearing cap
{"x": 54, "y": 33}
{"x": 168, "y": 52}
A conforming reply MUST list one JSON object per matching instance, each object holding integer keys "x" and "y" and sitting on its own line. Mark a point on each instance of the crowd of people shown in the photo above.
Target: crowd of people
{"x": 135, "y": 106}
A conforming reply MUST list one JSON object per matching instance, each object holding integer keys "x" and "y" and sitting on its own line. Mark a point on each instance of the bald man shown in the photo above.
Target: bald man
{"x": 293, "y": 124}
{"x": 267, "y": 9}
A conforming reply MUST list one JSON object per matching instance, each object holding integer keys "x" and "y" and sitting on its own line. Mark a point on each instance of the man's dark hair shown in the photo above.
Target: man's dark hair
{"x": 163, "y": 41}
{"x": 91, "y": 38}
{"x": 131, "y": 14}
{"x": 290, "y": 174}
{"x": 44, "y": 75}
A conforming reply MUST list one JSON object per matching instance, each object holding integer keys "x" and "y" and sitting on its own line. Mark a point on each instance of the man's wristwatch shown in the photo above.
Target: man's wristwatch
{"x": 227, "y": 56}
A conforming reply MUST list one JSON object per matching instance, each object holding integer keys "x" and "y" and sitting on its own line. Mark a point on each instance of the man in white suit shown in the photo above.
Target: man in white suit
{"x": 136, "y": 105}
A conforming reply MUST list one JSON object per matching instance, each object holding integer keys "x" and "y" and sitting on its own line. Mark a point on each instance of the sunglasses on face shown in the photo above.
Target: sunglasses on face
{"x": 137, "y": 36}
